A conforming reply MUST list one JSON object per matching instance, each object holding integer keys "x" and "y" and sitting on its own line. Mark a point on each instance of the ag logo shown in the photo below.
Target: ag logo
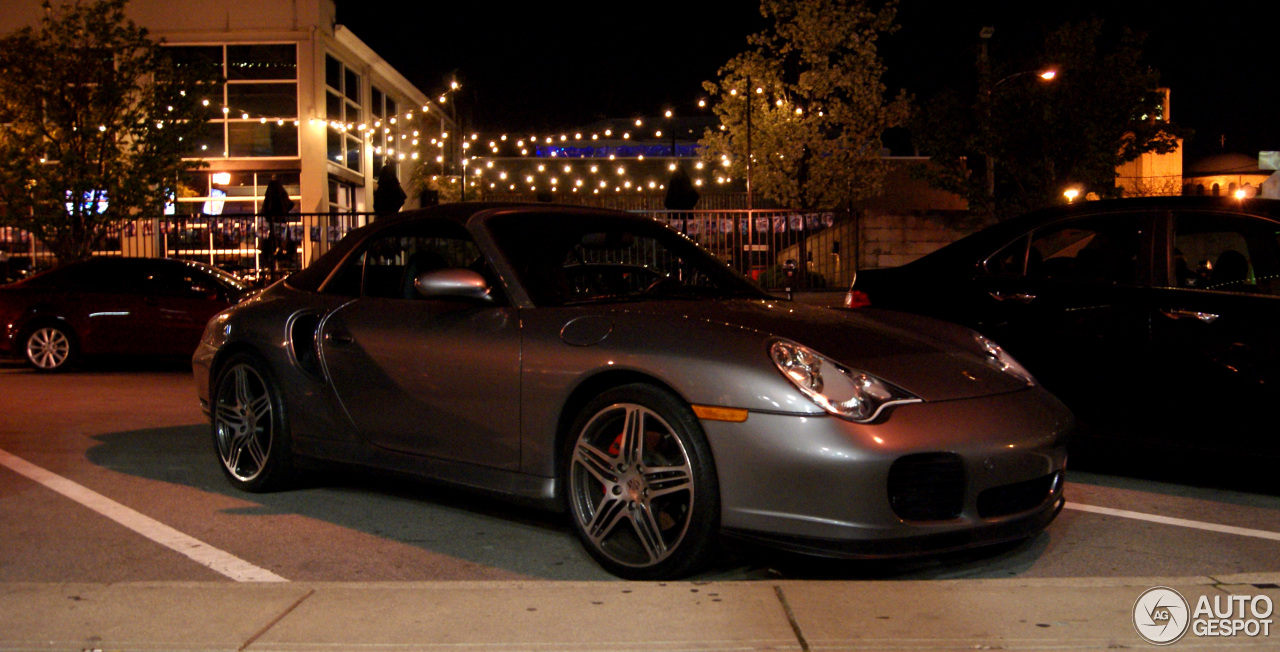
{"x": 1161, "y": 616}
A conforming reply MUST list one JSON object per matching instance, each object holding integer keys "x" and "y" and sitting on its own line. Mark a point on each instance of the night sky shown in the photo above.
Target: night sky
{"x": 551, "y": 66}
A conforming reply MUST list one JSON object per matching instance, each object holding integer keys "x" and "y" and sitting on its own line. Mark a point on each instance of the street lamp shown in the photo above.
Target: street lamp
{"x": 1046, "y": 74}
{"x": 1071, "y": 194}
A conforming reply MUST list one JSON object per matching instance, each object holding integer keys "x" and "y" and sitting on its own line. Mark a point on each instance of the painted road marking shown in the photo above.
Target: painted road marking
{"x": 1180, "y": 522}
{"x": 199, "y": 551}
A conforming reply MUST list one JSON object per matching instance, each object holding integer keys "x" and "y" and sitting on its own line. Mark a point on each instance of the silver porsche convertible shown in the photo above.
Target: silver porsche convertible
{"x": 603, "y": 364}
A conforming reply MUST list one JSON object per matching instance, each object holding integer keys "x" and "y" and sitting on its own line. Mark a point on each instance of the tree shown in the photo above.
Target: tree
{"x": 95, "y": 116}
{"x": 1102, "y": 109}
{"x": 806, "y": 104}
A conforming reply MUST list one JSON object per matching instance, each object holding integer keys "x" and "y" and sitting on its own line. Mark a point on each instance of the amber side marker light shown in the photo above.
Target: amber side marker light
{"x": 710, "y": 413}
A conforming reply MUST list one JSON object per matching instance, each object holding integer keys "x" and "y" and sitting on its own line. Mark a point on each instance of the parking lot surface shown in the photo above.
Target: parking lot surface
{"x": 120, "y": 533}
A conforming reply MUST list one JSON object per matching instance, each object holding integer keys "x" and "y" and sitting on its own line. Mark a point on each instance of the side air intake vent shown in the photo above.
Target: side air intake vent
{"x": 927, "y": 487}
{"x": 302, "y": 342}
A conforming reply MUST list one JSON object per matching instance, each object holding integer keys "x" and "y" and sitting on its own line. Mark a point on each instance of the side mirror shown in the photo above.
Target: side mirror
{"x": 454, "y": 283}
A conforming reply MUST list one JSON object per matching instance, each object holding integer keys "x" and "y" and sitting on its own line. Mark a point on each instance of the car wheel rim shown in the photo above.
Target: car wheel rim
{"x": 48, "y": 348}
{"x": 631, "y": 485}
{"x": 244, "y": 422}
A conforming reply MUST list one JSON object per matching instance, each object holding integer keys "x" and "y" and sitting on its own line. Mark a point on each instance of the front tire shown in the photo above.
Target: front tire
{"x": 641, "y": 484}
{"x": 49, "y": 347}
{"x": 250, "y": 431}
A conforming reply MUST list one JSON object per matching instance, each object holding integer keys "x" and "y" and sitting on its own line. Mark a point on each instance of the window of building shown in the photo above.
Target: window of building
{"x": 384, "y": 142}
{"x": 342, "y": 197}
{"x": 232, "y": 193}
{"x": 259, "y": 98}
{"x": 343, "y": 111}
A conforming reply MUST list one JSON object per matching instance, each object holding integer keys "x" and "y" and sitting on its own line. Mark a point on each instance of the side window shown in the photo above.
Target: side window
{"x": 389, "y": 263}
{"x": 181, "y": 283}
{"x": 1226, "y": 253}
{"x": 1097, "y": 249}
{"x": 1009, "y": 261}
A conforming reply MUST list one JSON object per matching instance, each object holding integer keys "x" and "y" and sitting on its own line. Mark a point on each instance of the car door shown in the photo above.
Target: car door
{"x": 178, "y": 300}
{"x": 1214, "y": 329}
{"x": 430, "y": 377}
{"x": 105, "y": 297}
{"x": 1070, "y": 300}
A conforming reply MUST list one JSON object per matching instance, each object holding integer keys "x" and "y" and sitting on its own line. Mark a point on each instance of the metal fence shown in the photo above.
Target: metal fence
{"x": 758, "y": 243}
{"x": 251, "y": 246}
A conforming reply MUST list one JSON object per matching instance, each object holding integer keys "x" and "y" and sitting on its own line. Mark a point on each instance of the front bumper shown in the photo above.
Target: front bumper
{"x": 822, "y": 485}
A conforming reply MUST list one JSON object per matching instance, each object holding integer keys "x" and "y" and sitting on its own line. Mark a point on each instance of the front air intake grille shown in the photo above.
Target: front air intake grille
{"x": 1016, "y": 497}
{"x": 927, "y": 487}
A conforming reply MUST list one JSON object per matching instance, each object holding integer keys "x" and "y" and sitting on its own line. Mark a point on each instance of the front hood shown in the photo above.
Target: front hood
{"x": 934, "y": 360}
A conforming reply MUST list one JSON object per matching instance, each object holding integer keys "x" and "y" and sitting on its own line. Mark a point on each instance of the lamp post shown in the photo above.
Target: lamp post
{"x": 988, "y": 90}
{"x": 748, "y": 100}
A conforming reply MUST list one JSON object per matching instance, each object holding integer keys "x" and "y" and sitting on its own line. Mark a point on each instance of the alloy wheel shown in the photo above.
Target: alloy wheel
{"x": 244, "y": 422}
{"x": 631, "y": 485}
{"x": 48, "y": 348}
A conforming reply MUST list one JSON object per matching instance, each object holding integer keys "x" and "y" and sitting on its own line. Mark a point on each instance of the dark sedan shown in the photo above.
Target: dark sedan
{"x": 603, "y": 363}
{"x": 119, "y": 306}
{"x": 1155, "y": 320}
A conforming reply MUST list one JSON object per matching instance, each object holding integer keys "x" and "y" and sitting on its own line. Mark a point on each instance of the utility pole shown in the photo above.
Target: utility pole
{"x": 748, "y": 99}
{"x": 984, "y": 86}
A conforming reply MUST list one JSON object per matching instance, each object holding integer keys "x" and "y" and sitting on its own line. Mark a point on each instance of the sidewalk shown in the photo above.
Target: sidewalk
{"x": 1014, "y": 614}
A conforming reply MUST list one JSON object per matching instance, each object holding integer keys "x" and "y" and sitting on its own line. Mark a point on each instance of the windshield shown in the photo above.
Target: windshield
{"x": 574, "y": 259}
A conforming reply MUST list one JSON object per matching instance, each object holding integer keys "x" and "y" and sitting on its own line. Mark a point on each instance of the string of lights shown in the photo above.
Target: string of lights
{"x": 505, "y": 164}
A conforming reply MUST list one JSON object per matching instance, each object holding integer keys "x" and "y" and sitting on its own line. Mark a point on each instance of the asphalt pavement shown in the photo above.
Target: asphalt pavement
{"x": 129, "y": 438}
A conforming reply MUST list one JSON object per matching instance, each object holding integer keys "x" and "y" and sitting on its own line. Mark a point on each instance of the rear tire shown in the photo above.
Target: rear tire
{"x": 250, "y": 430}
{"x": 641, "y": 484}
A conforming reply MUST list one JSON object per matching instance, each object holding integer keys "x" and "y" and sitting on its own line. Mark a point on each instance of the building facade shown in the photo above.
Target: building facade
{"x": 304, "y": 102}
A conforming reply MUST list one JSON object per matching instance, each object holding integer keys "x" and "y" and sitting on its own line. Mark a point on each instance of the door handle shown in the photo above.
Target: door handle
{"x": 338, "y": 338}
{"x": 1206, "y": 317}
{"x": 1001, "y": 295}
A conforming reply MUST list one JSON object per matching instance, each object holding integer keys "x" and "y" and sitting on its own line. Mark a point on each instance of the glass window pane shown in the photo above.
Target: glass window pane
{"x": 262, "y": 62}
{"x": 333, "y": 72}
{"x": 208, "y": 141}
{"x": 1008, "y": 261}
{"x": 352, "y": 88}
{"x": 376, "y": 102}
{"x": 353, "y": 153}
{"x": 257, "y": 139}
{"x": 1092, "y": 249}
{"x": 334, "y": 147}
{"x": 333, "y": 107}
{"x": 205, "y": 59}
{"x": 264, "y": 100}
{"x": 353, "y": 113}
{"x": 1226, "y": 253}
{"x": 291, "y": 179}
{"x": 391, "y": 107}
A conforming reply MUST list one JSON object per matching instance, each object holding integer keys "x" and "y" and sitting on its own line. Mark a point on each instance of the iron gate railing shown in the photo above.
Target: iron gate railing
{"x": 758, "y": 243}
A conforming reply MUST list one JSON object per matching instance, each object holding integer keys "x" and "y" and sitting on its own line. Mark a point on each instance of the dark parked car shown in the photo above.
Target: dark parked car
{"x": 121, "y": 306}
{"x": 1156, "y": 320}
{"x": 603, "y": 363}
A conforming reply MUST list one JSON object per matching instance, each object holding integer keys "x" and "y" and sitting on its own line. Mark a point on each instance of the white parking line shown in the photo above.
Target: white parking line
{"x": 200, "y": 552}
{"x": 1180, "y": 522}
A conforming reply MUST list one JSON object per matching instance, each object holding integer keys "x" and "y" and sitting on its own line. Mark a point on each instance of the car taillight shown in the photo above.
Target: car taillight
{"x": 856, "y": 299}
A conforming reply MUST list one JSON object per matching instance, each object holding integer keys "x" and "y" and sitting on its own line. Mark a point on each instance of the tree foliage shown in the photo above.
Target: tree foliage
{"x": 811, "y": 88}
{"x": 1101, "y": 110}
{"x": 94, "y": 121}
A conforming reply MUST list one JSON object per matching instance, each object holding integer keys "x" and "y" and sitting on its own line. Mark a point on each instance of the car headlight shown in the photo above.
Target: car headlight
{"x": 217, "y": 331}
{"x": 847, "y": 393}
{"x": 1000, "y": 359}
